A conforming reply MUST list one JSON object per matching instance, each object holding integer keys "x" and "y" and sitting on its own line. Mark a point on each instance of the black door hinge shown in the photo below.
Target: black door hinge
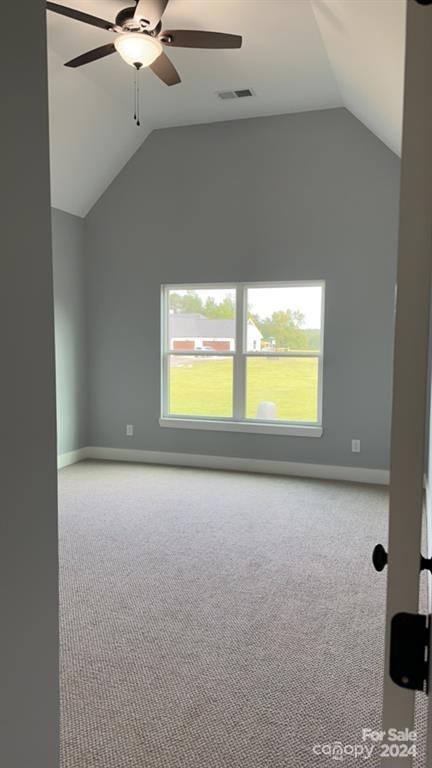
{"x": 409, "y": 650}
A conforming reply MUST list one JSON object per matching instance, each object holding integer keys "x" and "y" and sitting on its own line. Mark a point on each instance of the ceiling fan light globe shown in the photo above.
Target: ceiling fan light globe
{"x": 137, "y": 48}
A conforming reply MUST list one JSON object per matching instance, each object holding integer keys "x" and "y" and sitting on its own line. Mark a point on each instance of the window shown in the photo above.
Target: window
{"x": 244, "y": 357}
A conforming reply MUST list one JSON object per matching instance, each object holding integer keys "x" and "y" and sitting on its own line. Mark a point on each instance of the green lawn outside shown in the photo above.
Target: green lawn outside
{"x": 204, "y": 387}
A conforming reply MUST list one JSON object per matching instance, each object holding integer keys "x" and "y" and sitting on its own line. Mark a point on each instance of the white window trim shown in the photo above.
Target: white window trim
{"x": 237, "y": 423}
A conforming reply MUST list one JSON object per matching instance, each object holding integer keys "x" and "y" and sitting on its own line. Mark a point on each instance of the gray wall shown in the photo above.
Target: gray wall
{"x": 305, "y": 196}
{"x": 68, "y": 263}
{"x": 29, "y": 710}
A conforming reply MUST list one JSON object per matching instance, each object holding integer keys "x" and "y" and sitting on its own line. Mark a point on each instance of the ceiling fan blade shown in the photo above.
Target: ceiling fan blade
{"x": 94, "y": 55}
{"x": 193, "y": 38}
{"x": 79, "y": 16}
{"x": 165, "y": 70}
{"x": 151, "y": 11}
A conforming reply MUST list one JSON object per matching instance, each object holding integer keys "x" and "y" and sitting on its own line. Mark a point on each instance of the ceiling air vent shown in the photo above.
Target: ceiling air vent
{"x": 240, "y": 94}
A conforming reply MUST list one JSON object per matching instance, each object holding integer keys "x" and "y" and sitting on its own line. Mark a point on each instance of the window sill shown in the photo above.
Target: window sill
{"x": 293, "y": 430}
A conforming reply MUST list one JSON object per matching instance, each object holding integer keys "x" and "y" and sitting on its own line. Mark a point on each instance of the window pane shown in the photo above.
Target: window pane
{"x": 201, "y": 319}
{"x": 200, "y": 386}
{"x": 282, "y": 388}
{"x": 284, "y": 319}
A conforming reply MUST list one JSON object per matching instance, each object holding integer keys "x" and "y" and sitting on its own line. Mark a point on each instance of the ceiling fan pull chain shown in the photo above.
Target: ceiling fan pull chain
{"x": 138, "y": 96}
{"x": 135, "y": 95}
{"x": 137, "y": 105}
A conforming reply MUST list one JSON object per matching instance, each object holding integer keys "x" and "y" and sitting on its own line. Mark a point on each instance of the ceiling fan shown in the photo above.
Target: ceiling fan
{"x": 140, "y": 38}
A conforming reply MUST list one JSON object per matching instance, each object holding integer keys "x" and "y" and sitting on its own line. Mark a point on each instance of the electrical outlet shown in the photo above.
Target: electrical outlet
{"x": 129, "y": 430}
{"x": 355, "y": 446}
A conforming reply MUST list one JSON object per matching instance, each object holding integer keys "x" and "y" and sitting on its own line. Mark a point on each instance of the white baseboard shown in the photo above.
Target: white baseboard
{"x": 72, "y": 457}
{"x": 261, "y": 466}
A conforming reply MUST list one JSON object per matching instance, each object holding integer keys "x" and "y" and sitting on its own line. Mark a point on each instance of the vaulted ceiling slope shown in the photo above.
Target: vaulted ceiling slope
{"x": 297, "y": 55}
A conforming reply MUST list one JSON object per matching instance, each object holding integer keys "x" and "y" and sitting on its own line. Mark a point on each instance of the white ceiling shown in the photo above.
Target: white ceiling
{"x": 365, "y": 43}
{"x": 297, "y": 55}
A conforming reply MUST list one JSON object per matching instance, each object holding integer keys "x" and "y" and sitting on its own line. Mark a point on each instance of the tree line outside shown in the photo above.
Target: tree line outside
{"x": 283, "y": 329}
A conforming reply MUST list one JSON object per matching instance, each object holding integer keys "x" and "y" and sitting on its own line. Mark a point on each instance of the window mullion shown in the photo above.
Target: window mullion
{"x": 239, "y": 384}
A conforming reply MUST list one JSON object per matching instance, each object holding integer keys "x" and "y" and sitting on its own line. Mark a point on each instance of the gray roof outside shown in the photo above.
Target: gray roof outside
{"x": 189, "y": 325}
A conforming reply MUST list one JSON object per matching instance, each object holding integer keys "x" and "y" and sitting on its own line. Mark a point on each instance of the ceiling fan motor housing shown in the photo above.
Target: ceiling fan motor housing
{"x": 125, "y": 20}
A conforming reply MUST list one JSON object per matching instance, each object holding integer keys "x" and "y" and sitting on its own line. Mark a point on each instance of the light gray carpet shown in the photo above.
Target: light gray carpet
{"x": 213, "y": 619}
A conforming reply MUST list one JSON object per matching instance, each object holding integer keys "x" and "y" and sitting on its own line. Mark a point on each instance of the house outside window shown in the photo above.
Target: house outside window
{"x": 194, "y": 331}
{"x": 243, "y": 357}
